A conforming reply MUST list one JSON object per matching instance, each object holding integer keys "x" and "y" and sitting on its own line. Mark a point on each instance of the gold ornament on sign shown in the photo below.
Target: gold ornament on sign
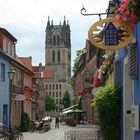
{"x": 96, "y": 34}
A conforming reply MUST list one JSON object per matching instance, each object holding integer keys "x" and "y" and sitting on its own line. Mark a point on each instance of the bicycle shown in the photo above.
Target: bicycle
{"x": 12, "y": 134}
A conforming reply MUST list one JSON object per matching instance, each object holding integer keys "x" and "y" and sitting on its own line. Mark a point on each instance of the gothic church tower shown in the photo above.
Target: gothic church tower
{"x": 58, "y": 62}
{"x": 58, "y": 50}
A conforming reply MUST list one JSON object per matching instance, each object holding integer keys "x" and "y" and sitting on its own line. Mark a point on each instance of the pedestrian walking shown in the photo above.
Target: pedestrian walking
{"x": 56, "y": 122}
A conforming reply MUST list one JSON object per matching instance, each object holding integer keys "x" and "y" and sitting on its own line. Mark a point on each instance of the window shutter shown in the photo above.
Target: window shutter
{"x": 117, "y": 72}
{"x": 132, "y": 62}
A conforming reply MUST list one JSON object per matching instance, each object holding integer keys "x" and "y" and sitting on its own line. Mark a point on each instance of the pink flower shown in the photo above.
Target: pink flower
{"x": 126, "y": 11}
{"x": 97, "y": 81}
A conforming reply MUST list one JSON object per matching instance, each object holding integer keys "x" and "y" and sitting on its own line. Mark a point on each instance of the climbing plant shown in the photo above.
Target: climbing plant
{"x": 107, "y": 103}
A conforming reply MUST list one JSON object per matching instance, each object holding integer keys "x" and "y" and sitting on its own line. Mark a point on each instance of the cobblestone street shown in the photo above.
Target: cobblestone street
{"x": 53, "y": 134}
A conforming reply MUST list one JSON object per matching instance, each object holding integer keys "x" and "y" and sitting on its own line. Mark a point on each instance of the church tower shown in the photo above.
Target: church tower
{"x": 58, "y": 50}
{"x": 58, "y": 62}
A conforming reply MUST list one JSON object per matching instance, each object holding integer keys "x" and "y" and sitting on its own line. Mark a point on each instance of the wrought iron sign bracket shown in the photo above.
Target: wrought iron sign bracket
{"x": 83, "y": 12}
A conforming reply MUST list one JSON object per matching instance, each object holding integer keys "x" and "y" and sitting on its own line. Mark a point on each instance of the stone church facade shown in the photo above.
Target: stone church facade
{"x": 58, "y": 62}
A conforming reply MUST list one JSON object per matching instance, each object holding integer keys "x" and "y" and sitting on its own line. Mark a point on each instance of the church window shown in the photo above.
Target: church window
{"x": 54, "y": 40}
{"x": 69, "y": 57}
{"x": 58, "y": 56}
{"x": 58, "y": 40}
{"x": 53, "y": 56}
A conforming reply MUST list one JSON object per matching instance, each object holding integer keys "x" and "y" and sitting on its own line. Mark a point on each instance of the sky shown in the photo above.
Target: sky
{"x": 26, "y": 20}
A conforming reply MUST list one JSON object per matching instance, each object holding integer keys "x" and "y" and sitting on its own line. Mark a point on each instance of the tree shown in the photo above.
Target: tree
{"x": 75, "y": 67}
{"x": 66, "y": 100}
{"x": 76, "y": 60}
{"x": 49, "y": 103}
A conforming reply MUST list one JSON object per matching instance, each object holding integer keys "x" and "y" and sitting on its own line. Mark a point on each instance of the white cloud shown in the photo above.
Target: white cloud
{"x": 26, "y": 20}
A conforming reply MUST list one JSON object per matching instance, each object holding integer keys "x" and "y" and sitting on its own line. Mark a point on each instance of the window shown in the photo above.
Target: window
{"x": 56, "y": 86}
{"x": 50, "y": 87}
{"x": 53, "y": 86}
{"x": 2, "y": 72}
{"x": 46, "y": 86}
{"x": 58, "y": 54}
{"x": 50, "y": 93}
{"x": 54, "y": 40}
{"x": 60, "y": 86}
{"x": 18, "y": 78}
{"x": 60, "y": 94}
{"x": 56, "y": 94}
{"x": 56, "y": 101}
{"x": 53, "y": 56}
{"x": 58, "y": 40}
{"x": 60, "y": 100}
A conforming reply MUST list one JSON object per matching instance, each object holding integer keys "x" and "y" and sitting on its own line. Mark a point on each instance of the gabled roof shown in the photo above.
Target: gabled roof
{"x": 110, "y": 24}
{"x": 16, "y": 61}
{"x": 4, "y": 31}
{"x": 27, "y": 61}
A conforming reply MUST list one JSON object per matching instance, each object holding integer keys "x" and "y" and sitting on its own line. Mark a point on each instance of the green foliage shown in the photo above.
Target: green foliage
{"x": 107, "y": 103}
{"x": 66, "y": 100}
{"x": 76, "y": 60}
{"x": 25, "y": 122}
{"x": 72, "y": 82}
{"x": 49, "y": 103}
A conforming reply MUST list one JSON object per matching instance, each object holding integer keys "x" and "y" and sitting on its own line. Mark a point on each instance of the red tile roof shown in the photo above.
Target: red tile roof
{"x": 27, "y": 61}
{"x": 48, "y": 73}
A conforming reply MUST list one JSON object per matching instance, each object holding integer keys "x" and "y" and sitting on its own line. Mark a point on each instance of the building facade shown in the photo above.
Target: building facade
{"x": 4, "y": 92}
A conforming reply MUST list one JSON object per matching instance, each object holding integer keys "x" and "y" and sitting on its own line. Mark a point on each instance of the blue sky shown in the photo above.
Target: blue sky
{"x": 27, "y": 19}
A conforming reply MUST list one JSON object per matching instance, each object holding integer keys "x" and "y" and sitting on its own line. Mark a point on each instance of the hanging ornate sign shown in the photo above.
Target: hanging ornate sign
{"x": 106, "y": 34}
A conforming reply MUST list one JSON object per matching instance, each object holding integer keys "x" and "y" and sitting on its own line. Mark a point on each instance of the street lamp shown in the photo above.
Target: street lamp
{"x": 11, "y": 75}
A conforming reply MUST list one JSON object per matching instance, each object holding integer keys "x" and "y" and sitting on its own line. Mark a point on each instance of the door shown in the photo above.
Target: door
{"x": 5, "y": 114}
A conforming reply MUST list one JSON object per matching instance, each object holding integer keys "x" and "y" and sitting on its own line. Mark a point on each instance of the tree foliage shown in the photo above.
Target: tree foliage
{"x": 76, "y": 60}
{"x": 66, "y": 100}
{"x": 107, "y": 103}
{"x": 49, "y": 103}
{"x": 25, "y": 121}
{"x": 75, "y": 66}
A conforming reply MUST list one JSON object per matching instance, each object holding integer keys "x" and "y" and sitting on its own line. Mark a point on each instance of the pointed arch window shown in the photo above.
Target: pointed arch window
{"x": 53, "y": 56}
{"x": 58, "y": 55}
{"x": 58, "y": 40}
{"x": 54, "y": 40}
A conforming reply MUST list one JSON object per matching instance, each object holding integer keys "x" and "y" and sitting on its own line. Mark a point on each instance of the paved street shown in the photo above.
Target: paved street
{"x": 53, "y": 134}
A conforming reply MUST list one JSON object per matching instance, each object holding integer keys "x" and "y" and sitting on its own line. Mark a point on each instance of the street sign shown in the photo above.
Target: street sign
{"x": 108, "y": 35}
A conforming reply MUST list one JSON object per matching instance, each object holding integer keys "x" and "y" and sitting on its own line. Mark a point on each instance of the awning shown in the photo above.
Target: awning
{"x": 69, "y": 108}
{"x": 73, "y": 111}
{"x": 78, "y": 111}
{"x": 68, "y": 111}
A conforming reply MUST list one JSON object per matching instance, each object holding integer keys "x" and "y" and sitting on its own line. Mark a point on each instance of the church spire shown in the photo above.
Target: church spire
{"x": 48, "y": 23}
{"x": 64, "y": 23}
{"x": 52, "y": 23}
